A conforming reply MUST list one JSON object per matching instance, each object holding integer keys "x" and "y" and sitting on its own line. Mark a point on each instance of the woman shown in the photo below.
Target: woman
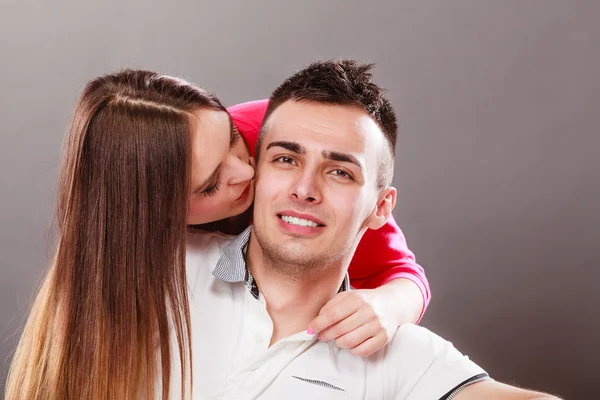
{"x": 145, "y": 155}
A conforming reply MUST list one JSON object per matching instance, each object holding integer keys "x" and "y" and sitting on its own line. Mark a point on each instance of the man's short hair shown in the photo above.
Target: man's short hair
{"x": 341, "y": 83}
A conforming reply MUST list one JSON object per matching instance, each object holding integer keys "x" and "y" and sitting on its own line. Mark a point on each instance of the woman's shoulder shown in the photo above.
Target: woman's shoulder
{"x": 201, "y": 241}
{"x": 202, "y": 253}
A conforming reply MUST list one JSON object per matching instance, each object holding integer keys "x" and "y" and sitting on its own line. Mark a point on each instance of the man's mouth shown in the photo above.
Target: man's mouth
{"x": 299, "y": 221}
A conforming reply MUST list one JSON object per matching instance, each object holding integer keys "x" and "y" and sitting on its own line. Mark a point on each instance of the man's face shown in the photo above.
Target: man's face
{"x": 316, "y": 183}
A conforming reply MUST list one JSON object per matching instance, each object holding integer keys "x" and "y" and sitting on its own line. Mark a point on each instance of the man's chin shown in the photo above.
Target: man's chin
{"x": 297, "y": 254}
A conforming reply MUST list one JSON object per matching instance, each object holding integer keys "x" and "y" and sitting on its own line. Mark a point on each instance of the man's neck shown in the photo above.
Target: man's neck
{"x": 293, "y": 302}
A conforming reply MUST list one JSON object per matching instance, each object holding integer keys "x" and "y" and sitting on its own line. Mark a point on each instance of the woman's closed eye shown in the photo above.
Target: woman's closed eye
{"x": 212, "y": 189}
{"x": 235, "y": 137}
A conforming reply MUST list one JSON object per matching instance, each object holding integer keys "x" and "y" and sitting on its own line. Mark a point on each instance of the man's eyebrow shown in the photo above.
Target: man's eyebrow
{"x": 343, "y": 157}
{"x": 291, "y": 146}
{"x": 208, "y": 180}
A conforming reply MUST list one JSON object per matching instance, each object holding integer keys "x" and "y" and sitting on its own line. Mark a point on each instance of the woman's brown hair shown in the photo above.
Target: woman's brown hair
{"x": 115, "y": 296}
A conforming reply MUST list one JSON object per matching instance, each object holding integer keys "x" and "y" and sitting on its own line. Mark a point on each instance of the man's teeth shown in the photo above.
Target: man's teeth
{"x": 298, "y": 221}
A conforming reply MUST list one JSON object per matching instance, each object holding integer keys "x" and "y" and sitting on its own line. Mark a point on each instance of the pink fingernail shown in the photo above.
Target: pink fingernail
{"x": 310, "y": 331}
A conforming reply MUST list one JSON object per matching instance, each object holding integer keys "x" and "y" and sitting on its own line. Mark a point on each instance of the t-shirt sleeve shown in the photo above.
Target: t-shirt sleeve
{"x": 419, "y": 364}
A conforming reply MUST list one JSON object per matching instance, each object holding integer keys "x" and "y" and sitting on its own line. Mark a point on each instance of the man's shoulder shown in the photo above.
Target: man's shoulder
{"x": 429, "y": 364}
{"x": 412, "y": 340}
{"x": 411, "y": 335}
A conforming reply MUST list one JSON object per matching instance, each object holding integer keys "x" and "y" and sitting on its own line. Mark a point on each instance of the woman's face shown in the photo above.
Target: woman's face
{"x": 222, "y": 170}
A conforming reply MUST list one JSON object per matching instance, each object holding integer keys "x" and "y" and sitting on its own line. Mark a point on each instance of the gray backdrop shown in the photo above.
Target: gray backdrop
{"x": 499, "y": 108}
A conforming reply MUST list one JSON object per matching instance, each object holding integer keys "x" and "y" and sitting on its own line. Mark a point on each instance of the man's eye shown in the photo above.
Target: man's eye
{"x": 285, "y": 160}
{"x": 341, "y": 173}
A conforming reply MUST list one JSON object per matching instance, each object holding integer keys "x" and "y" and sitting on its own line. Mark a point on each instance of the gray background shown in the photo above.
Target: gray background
{"x": 499, "y": 108}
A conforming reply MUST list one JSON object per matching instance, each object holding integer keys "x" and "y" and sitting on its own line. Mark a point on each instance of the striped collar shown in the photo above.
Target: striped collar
{"x": 232, "y": 266}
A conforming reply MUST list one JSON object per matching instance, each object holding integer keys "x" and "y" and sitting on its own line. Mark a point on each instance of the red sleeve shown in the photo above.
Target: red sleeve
{"x": 382, "y": 255}
{"x": 248, "y": 117}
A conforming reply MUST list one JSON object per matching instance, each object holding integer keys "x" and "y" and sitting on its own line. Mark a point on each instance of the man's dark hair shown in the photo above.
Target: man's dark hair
{"x": 340, "y": 83}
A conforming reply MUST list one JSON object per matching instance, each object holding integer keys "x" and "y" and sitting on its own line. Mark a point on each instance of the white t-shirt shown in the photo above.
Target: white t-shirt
{"x": 231, "y": 332}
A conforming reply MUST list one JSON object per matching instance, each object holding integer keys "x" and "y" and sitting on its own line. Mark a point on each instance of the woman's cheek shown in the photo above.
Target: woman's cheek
{"x": 195, "y": 210}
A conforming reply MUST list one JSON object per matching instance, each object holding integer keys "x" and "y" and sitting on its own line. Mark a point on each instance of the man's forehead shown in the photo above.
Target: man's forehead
{"x": 293, "y": 111}
{"x": 346, "y": 126}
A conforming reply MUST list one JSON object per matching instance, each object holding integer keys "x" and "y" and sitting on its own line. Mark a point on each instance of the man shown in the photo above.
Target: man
{"x": 325, "y": 161}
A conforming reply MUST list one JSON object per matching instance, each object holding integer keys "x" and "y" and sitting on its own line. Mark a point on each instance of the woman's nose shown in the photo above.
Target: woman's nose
{"x": 241, "y": 171}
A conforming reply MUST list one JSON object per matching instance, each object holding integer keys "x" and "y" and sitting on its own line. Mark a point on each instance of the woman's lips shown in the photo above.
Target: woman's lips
{"x": 245, "y": 192}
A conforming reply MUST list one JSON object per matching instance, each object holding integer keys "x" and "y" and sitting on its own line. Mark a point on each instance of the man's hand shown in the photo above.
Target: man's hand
{"x": 365, "y": 320}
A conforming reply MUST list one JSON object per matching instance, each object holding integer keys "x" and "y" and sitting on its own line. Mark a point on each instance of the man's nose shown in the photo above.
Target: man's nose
{"x": 306, "y": 187}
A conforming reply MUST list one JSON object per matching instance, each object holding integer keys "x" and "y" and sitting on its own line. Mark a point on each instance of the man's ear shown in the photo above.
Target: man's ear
{"x": 383, "y": 208}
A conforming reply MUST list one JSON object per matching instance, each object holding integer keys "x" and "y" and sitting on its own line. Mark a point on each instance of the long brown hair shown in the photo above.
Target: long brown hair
{"x": 115, "y": 296}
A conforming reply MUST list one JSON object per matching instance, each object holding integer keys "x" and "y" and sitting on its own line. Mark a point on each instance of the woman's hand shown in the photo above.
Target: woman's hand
{"x": 364, "y": 321}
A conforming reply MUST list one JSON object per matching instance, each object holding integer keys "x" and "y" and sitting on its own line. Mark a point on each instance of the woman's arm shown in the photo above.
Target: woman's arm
{"x": 383, "y": 255}
{"x": 392, "y": 290}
